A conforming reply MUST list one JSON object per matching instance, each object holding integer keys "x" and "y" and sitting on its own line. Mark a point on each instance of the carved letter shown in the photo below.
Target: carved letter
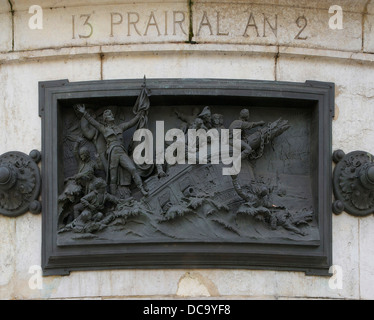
{"x": 219, "y": 33}
{"x": 300, "y": 24}
{"x": 129, "y": 23}
{"x": 36, "y": 21}
{"x": 112, "y": 23}
{"x": 166, "y": 23}
{"x": 205, "y": 23}
{"x": 154, "y": 23}
{"x": 178, "y": 21}
{"x": 274, "y": 29}
{"x": 249, "y": 24}
{"x": 73, "y": 26}
{"x": 86, "y": 23}
{"x": 336, "y": 21}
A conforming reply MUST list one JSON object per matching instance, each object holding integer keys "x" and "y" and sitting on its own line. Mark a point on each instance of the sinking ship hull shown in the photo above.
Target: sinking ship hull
{"x": 209, "y": 178}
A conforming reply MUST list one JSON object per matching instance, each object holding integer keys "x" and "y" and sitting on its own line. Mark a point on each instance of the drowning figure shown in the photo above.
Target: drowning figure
{"x": 258, "y": 205}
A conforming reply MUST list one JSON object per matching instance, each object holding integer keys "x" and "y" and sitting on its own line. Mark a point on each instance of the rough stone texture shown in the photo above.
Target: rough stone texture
{"x": 366, "y": 261}
{"x": 298, "y": 26}
{"x": 191, "y": 65}
{"x": 357, "y": 6}
{"x": 20, "y": 98}
{"x": 337, "y": 56}
{"x": 4, "y": 6}
{"x": 5, "y": 26}
{"x": 266, "y": 23}
{"x": 354, "y": 96}
{"x": 368, "y": 27}
{"x": 194, "y": 284}
{"x": 92, "y": 25}
{"x": 369, "y": 34}
{"x": 346, "y": 246}
{"x": 27, "y": 254}
{"x": 20, "y": 239}
{"x": 25, "y": 4}
{"x": 115, "y": 283}
{"x": 7, "y": 248}
{"x": 6, "y": 31}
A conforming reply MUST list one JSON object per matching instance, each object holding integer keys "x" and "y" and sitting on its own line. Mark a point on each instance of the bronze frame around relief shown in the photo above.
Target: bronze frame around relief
{"x": 314, "y": 258}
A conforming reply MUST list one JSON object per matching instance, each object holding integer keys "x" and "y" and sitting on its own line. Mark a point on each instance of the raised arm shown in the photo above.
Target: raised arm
{"x": 126, "y": 125}
{"x": 260, "y": 123}
{"x": 250, "y": 125}
{"x": 82, "y": 109}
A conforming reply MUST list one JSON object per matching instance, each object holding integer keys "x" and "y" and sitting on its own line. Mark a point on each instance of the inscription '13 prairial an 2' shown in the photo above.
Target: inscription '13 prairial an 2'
{"x": 250, "y": 25}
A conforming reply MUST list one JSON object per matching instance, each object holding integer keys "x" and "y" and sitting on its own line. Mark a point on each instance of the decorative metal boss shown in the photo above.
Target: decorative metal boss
{"x": 353, "y": 183}
{"x": 19, "y": 183}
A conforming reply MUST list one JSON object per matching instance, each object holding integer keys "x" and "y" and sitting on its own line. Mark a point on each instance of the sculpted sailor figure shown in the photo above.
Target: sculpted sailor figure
{"x": 206, "y": 116}
{"x": 217, "y": 121}
{"x": 244, "y": 124}
{"x": 86, "y": 166}
{"x": 116, "y": 153}
{"x": 187, "y": 119}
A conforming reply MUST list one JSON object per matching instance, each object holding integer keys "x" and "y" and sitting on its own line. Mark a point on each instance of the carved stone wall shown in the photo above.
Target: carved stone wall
{"x": 266, "y": 40}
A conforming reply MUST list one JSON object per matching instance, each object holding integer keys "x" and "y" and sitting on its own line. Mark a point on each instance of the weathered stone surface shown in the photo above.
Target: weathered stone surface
{"x": 7, "y": 248}
{"x": 194, "y": 284}
{"x": 20, "y": 243}
{"x": 292, "y": 25}
{"x": 5, "y": 26}
{"x": 346, "y": 245}
{"x": 286, "y": 23}
{"x": 347, "y": 5}
{"x": 354, "y": 96}
{"x": 189, "y": 65}
{"x": 27, "y": 255}
{"x": 278, "y": 284}
{"x": 369, "y": 33}
{"x": 122, "y": 283}
{"x": 25, "y": 4}
{"x": 6, "y": 31}
{"x": 4, "y": 6}
{"x": 243, "y": 282}
{"x": 99, "y": 25}
{"x": 20, "y": 98}
{"x": 366, "y": 261}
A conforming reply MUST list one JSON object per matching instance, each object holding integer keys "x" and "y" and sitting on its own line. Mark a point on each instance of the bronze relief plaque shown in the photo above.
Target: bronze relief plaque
{"x": 186, "y": 173}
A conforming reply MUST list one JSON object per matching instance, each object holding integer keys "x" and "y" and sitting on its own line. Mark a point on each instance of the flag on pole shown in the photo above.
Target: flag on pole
{"x": 142, "y": 104}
